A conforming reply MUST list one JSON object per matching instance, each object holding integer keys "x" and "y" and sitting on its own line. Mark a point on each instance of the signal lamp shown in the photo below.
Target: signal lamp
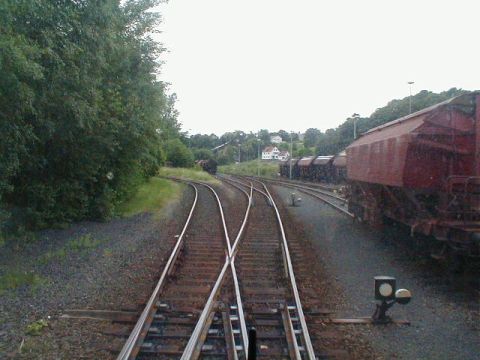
{"x": 385, "y": 291}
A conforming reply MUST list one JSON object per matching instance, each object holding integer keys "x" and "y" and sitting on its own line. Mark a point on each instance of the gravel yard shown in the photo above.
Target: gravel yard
{"x": 104, "y": 266}
{"x": 444, "y": 320}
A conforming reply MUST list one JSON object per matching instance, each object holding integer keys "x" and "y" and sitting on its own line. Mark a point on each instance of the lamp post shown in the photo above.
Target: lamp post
{"x": 291, "y": 153}
{"x": 410, "y": 83}
{"x": 355, "y": 117}
{"x": 258, "y": 154}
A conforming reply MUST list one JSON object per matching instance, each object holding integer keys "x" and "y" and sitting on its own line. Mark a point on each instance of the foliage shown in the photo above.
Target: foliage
{"x": 178, "y": 154}
{"x": 16, "y": 278}
{"x": 264, "y": 168}
{"x": 81, "y": 111}
{"x": 151, "y": 196}
{"x": 36, "y": 327}
{"x": 78, "y": 245}
{"x": 311, "y": 137}
{"x": 196, "y": 174}
{"x": 202, "y": 154}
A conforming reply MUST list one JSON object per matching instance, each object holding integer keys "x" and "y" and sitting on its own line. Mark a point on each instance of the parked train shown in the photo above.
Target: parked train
{"x": 209, "y": 165}
{"x": 422, "y": 170}
{"x": 330, "y": 168}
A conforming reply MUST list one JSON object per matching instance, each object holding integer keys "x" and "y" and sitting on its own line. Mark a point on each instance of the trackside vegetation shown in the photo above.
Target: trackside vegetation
{"x": 265, "y": 168}
{"x": 151, "y": 196}
{"x": 196, "y": 174}
{"x": 83, "y": 119}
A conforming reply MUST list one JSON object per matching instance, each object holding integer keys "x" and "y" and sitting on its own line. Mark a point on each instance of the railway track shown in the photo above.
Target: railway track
{"x": 315, "y": 190}
{"x": 215, "y": 287}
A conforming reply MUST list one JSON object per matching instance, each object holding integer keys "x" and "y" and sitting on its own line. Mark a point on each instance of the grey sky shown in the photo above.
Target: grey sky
{"x": 292, "y": 65}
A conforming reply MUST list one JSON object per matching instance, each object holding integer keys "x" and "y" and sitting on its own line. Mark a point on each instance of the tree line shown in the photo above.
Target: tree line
{"x": 83, "y": 118}
{"x": 241, "y": 146}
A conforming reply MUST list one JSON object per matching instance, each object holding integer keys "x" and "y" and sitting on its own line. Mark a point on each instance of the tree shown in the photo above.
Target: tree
{"x": 82, "y": 116}
{"x": 178, "y": 155}
{"x": 311, "y": 137}
{"x": 202, "y": 154}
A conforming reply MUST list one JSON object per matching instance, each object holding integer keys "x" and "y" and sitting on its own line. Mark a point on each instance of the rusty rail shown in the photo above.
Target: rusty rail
{"x": 314, "y": 193}
{"x": 145, "y": 317}
{"x": 291, "y": 276}
{"x": 193, "y": 348}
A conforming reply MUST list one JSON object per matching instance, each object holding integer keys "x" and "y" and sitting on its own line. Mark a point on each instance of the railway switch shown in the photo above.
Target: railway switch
{"x": 385, "y": 291}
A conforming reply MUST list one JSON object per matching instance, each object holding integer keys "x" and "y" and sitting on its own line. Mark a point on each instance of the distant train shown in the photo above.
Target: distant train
{"x": 209, "y": 166}
{"x": 422, "y": 170}
{"x": 330, "y": 168}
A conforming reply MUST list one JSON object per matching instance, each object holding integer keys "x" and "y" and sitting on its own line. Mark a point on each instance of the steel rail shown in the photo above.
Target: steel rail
{"x": 298, "y": 304}
{"x": 300, "y": 182}
{"x": 147, "y": 312}
{"x": 246, "y": 185}
{"x": 299, "y": 186}
{"x": 336, "y": 206}
{"x": 192, "y": 350}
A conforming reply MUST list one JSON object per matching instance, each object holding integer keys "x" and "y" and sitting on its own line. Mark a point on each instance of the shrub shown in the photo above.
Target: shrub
{"x": 178, "y": 155}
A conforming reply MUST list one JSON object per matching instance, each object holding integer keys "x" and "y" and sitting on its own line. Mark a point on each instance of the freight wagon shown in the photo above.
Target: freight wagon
{"x": 423, "y": 170}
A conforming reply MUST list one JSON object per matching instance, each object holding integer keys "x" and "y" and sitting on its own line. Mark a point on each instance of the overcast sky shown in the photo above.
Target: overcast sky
{"x": 292, "y": 65}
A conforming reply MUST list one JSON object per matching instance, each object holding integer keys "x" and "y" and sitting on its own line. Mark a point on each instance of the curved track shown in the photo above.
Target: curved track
{"x": 214, "y": 287}
{"x": 315, "y": 190}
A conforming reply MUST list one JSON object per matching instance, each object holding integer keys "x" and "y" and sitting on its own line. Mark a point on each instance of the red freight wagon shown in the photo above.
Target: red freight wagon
{"x": 304, "y": 167}
{"x": 321, "y": 167}
{"x": 339, "y": 165}
{"x": 423, "y": 170}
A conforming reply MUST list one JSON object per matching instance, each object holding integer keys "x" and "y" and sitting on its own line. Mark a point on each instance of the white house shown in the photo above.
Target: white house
{"x": 276, "y": 139}
{"x": 270, "y": 153}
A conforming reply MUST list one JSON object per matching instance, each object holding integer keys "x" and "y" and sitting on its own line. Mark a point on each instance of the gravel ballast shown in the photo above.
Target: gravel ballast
{"x": 116, "y": 270}
{"x": 444, "y": 320}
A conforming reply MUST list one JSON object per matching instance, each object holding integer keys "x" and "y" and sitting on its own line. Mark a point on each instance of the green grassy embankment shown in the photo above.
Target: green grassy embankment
{"x": 158, "y": 192}
{"x": 151, "y": 197}
{"x": 267, "y": 168}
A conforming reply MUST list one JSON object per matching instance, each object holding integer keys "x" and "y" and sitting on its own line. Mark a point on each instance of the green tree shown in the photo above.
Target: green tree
{"x": 202, "y": 154}
{"x": 311, "y": 137}
{"x": 81, "y": 113}
{"x": 178, "y": 155}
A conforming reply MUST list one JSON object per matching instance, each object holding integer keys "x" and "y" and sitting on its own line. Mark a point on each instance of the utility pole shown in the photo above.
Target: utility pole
{"x": 291, "y": 153}
{"x": 410, "y": 83}
{"x": 258, "y": 150}
{"x": 355, "y": 117}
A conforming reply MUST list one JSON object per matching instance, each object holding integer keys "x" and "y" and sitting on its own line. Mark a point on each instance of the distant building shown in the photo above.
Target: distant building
{"x": 276, "y": 139}
{"x": 270, "y": 153}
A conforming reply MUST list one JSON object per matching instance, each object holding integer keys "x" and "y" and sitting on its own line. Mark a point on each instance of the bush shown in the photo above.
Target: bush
{"x": 203, "y": 154}
{"x": 82, "y": 112}
{"x": 178, "y": 155}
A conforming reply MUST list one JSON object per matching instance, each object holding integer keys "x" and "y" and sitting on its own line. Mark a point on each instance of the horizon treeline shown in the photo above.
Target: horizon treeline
{"x": 83, "y": 119}
{"x": 244, "y": 146}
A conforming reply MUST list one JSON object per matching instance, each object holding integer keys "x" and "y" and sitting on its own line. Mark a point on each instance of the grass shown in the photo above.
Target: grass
{"x": 16, "y": 278}
{"x": 188, "y": 174}
{"x": 150, "y": 197}
{"x": 36, "y": 327}
{"x": 78, "y": 245}
{"x": 267, "y": 168}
